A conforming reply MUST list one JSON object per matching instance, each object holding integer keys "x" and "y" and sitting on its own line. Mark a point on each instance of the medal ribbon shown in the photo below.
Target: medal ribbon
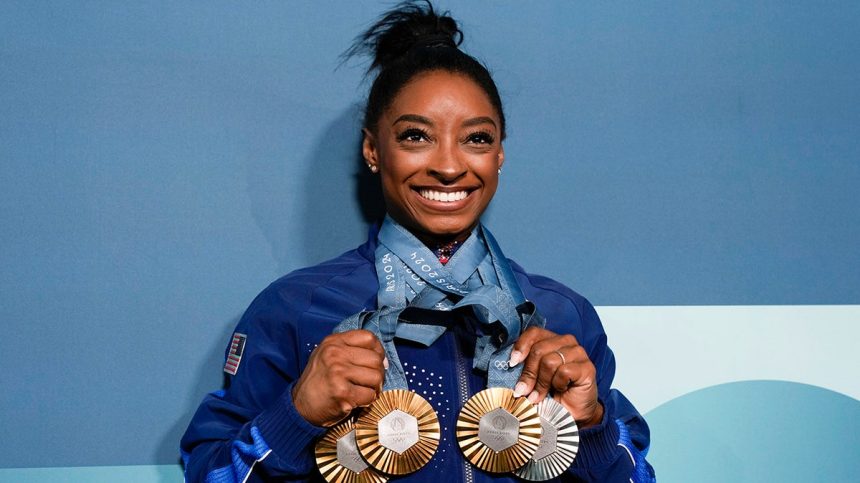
{"x": 497, "y": 304}
{"x": 415, "y": 288}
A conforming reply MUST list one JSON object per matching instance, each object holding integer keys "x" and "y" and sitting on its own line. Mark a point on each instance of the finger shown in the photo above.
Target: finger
{"x": 363, "y": 396}
{"x": 350, "y": 396}
{"x": 575, "y": 387}
{"x": 524, "y": 343}
{"x": 547, "y": 368}
{"x": 364, "y": 339}
{"x": 579, "y": 372}
{"x": 364, "y": 358}
{"x": 360, "y": 376}
{"x": 536, "y": 349}
{"x": 567, "y": 376}
{"x": 547, "y": 355}
{"x": 335, "y": 351}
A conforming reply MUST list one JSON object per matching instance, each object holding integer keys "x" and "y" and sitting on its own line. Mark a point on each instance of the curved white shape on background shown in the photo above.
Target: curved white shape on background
{"x": 668, "y": 351}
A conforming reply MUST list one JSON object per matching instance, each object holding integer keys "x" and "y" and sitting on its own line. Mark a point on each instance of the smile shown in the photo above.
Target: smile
{"x": 443, "y": 196}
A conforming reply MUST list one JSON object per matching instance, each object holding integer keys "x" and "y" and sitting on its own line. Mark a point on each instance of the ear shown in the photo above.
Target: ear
{"x": 369, "y": 149}
{"x": 501, "y": 156}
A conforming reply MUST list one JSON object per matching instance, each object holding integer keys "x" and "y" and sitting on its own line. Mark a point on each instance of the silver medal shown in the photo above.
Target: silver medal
{"x": 339, "y": 460}
{"x": 558, "y": 445}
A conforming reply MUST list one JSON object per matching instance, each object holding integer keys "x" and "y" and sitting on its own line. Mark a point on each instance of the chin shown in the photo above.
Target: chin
{"x": 448, "y": 228}
{"x": 429, "y": 226}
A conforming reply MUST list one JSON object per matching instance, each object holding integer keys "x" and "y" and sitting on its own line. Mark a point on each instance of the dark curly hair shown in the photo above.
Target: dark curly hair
{"x": 409, "y": 40}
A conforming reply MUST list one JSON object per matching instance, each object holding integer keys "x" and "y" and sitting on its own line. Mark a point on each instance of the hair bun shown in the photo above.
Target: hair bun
{"x": 410, "y": 25}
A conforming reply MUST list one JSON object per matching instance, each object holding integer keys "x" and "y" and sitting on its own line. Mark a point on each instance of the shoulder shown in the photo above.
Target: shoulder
{"x": 568, "y": 312}
{"x": 310, "y": 278}
{"x": 558, "y": 303}
{"x": 328, "y": 291}
{"x": 349, "y": 277}
{"x": 546, "y": 287}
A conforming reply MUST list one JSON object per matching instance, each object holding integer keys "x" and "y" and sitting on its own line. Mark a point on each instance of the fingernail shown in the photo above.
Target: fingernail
{"x": 516, "y": 358}
{"x": 385, "y": 363}
{"x": 533, "y": 397}
{"x": 519, "y": 389}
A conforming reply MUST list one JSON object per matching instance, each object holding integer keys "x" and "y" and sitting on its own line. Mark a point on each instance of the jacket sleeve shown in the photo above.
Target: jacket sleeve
{"x": 252, "y": 425}
{"x": 615, "y": 449}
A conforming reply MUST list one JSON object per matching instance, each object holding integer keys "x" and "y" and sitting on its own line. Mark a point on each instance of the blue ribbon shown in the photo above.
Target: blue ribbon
{"x": 485, "y": 284}
{"x": 383, "y": 323}
{"x": 417, "y": 296}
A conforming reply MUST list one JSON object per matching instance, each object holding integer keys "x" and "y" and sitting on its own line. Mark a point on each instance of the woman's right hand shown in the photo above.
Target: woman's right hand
{"x": 344, "y": 372}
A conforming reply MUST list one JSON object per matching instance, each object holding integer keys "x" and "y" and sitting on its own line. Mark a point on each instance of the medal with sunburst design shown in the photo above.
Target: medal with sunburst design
{"x": 398, "y": 433}
{"x": 498, "y": 432}
{"x": 339, "y": 460}
{"x": 558, "y": 444}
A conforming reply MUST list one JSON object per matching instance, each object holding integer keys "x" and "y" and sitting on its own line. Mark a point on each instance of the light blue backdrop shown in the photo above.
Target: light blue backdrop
{"x": 161, "y": 163}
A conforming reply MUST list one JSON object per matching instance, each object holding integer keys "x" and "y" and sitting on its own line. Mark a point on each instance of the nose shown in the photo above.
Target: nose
{"x": 447, "y": 164}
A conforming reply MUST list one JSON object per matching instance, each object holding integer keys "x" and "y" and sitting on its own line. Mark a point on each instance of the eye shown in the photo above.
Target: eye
{"x": 413, "y": 135}
{"x": 480, "y": 137}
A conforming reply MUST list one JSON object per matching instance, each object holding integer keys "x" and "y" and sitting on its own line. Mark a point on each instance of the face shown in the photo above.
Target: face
{"x": 438, "y": 150}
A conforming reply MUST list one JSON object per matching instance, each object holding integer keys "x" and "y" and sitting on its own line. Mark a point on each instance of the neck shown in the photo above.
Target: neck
{"x": 433, "y": 241}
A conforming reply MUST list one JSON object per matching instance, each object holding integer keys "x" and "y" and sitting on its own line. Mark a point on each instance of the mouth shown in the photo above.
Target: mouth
{"x": 443, "y": 196}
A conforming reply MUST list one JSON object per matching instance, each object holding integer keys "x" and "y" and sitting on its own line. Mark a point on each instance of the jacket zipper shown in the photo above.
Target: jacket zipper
{"x": 463, "y": 387}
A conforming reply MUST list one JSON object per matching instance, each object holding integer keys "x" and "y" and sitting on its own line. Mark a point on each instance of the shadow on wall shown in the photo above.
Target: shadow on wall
{"x": 343, "y": 196}
{"x": 209, "y": 377}
{"x": 327, "y": 212}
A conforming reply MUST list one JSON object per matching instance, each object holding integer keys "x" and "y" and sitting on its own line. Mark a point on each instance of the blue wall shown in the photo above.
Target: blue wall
{"x": 161, "y": 163}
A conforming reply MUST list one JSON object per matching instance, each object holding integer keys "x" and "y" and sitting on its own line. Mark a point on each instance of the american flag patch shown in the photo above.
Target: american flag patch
{"x": 234, "y": 357}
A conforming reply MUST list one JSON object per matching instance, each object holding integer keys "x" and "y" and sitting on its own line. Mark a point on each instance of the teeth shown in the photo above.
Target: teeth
{"x": 443, "y": 196}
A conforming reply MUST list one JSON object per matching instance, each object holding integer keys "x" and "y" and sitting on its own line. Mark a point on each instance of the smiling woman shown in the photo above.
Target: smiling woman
{"x": 438, "y": 150}
{"x": 429, "y": 352}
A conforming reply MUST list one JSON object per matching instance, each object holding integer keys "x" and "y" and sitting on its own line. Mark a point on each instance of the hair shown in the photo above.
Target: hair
{"x": 412, "y": 39}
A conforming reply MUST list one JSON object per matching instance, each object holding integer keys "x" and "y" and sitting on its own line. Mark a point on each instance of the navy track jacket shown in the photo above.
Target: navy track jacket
{"x": 250, "y": 431}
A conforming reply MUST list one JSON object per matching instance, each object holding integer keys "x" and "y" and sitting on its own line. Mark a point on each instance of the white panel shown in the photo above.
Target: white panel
{"x": 665, "y": 352}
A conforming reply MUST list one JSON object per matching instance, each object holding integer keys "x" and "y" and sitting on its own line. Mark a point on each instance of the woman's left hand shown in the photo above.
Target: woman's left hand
{"x": 558, "y": 364}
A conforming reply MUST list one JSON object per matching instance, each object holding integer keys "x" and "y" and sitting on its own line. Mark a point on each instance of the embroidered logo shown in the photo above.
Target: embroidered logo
{"x": 234, "y": 357}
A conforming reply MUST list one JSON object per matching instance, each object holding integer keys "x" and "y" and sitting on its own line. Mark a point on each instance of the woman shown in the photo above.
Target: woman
{"x": 433, "y": 132}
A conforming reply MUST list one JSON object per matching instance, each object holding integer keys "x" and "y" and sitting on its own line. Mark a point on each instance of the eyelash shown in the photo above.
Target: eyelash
{"x": 478, "y": 137}
{"x": 411, "y": 132}
{"x": 481, "y": 137}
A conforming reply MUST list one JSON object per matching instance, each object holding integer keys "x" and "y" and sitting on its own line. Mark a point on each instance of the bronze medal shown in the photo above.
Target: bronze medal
{"x": 339, "y": 460}
{"x": 498, "y": 432}
{"x": 398, "y": 433}
{"x": 558, "y": 444}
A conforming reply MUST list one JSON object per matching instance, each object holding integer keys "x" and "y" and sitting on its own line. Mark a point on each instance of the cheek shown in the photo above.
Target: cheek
{"x": 490, "y": 172}
{"x": 389, "y": 188}
{"x": 490, "y": 190}
{"x": 395, "y": 191}
{"x": 397, "y": 164}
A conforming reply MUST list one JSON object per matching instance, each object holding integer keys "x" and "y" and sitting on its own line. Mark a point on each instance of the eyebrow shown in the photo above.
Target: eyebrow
{"x": 475, "y": 121}
{"x": 413, "y": 118}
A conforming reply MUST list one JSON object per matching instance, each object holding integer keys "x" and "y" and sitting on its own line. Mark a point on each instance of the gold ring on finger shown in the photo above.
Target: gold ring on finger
{"x": 563, "y": 360}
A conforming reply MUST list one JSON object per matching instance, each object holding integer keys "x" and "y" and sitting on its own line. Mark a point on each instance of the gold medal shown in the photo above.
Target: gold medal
{"x": 559, "y": 443}
{"x": 498, "y": 432}
{"x": 339, "y": 460}
{"x": 398, "y": 433}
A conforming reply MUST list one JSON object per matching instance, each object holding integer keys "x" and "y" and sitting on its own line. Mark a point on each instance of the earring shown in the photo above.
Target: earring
{"x": 500, "y": 170}
{"x": 373, "y": 168}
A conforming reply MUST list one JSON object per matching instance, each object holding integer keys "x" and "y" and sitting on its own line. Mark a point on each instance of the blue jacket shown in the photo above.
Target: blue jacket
{"x": 250, "y": 431}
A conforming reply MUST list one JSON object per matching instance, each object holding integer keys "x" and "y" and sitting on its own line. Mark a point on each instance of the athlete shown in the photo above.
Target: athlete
{"x": 433, "y": 132}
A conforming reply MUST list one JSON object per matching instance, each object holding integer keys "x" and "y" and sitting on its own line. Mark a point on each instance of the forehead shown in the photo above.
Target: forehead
{"x": 443, "y": 93}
